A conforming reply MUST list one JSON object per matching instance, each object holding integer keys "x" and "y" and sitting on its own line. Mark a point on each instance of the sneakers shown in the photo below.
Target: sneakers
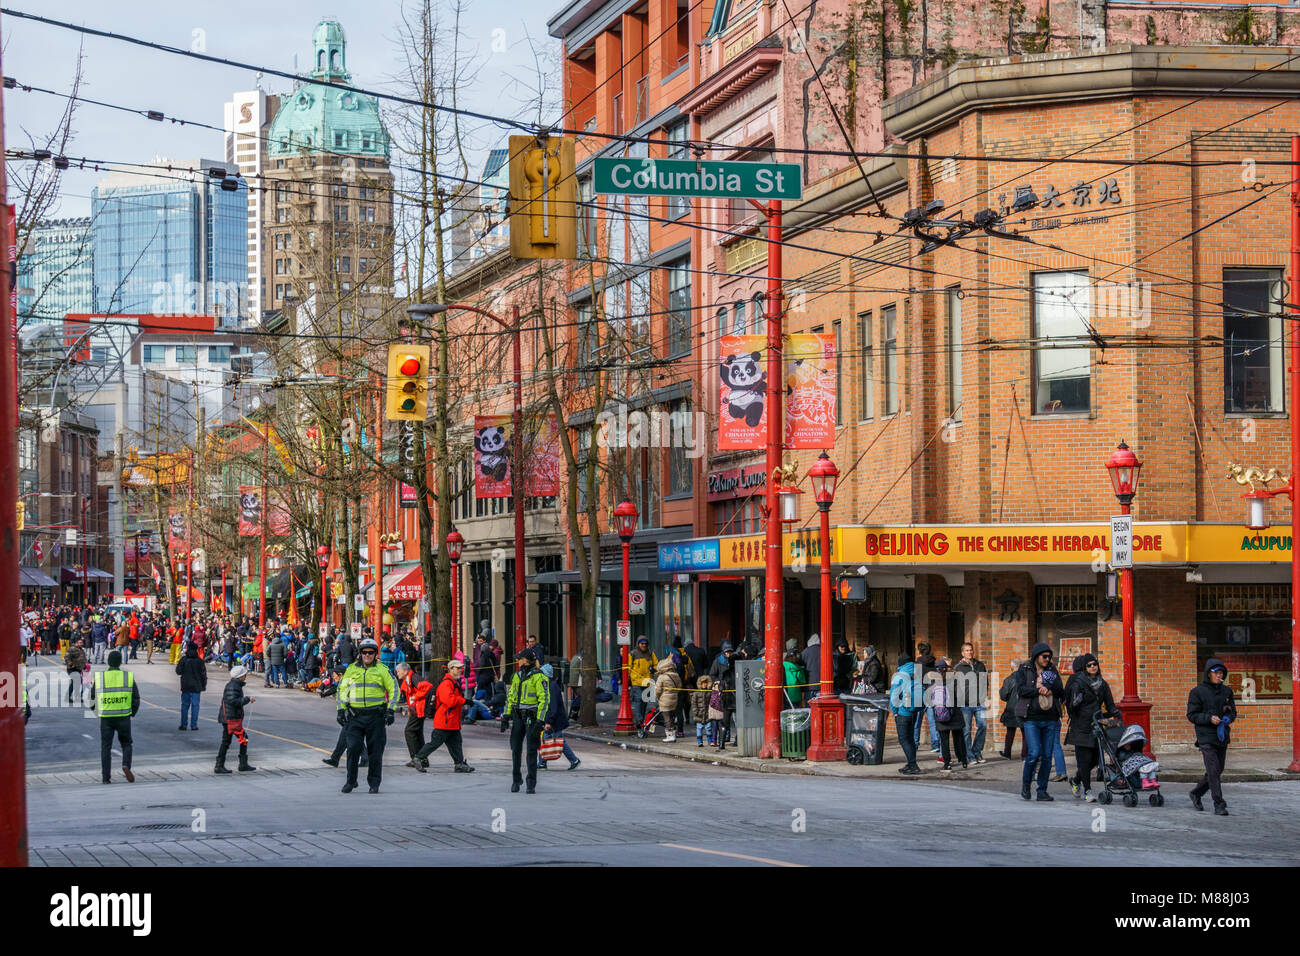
{"x": 412, "y": 763}
{"x": 670, "y": 738}
{"x": 461, "y": 768}
{"x": 1088, "y": 797}
{"x": 979, "y": 759}
{"x": 1045, "y": 797}
{"x": 1061, "y": 778}
{"x": 1196, "y": 802}
{"x": 1025, "y": 794}
{"x": 934, "y": 750}
{"x": 416, "y": 765}
{"x": 349, "y": 787}
{"x": 574, "y": 765}
{"x": 699, "y": 742}
{"x": 1076, "y": 789}
{"x": 1221, "y": 811}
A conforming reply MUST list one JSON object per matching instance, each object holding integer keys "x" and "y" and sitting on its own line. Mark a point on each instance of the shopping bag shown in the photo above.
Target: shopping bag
{"x": 552, "y": 748}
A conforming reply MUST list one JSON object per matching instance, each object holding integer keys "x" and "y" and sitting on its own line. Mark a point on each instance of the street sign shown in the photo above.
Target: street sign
{"x": 324, "y": 630}
{"x": 689, "y": 177}
{"x": 354, "y": 629}
{"x": 636, "y": 602}
{"x": 358, "y": 601}
{"x": 1121, "y": 541}
{"x": 624, "y": 633}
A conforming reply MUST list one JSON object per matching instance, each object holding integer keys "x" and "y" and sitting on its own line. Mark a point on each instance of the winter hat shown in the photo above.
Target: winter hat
{"x": 237, "y": 672}
{"x": 114, "y": 658}
{"x": 1042, "y": 647}
{"x": 548, "y": 670}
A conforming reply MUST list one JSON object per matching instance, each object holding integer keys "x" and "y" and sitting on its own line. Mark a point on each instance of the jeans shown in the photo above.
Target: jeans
{"x": 275, "y": 674}
{"x": 1058, "y": 754}
{"x": 975, "y": 742}
{"x": 569, "y": 755}
{"x": 639, "y": 706}
{"x": 190, "y": 708}
{"x": 478, "y": 711}
{"x": 916, "y": 730}
{"x": 101, "y": 648}
{"x": 906, "y": 724}
{"x": 1039, "y": 738}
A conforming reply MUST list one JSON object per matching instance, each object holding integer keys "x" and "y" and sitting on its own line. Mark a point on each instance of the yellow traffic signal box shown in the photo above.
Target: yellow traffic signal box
{"x": 408, "y": 383}
{"x": 543, "y": 198}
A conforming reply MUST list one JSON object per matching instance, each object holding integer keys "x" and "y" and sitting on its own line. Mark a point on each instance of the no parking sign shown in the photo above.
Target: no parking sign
{"x": 624, "y": 633}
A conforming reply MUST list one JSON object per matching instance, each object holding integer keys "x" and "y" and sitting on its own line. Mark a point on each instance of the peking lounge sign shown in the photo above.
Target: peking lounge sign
{"x": 736, "y": 483}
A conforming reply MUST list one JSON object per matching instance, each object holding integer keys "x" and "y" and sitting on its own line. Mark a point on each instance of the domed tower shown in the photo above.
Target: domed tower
{"x": 330, "y": 56}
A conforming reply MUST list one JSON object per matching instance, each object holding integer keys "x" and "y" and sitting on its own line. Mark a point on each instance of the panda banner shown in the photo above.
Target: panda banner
{"x": 810, "y": 390}
{"x": 742, "y": 418}
{"x": 492, "y": 456}
{"x": 178, "y": 531}
{"x": 250, "y": 511}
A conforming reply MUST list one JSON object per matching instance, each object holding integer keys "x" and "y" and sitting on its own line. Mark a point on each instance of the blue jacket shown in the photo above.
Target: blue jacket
{"x": 391, "y": 659}
{"x": 902, "y": 691}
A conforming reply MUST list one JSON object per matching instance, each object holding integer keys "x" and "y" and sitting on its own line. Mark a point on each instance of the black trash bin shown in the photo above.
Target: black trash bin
{"x": 865, "y": 718}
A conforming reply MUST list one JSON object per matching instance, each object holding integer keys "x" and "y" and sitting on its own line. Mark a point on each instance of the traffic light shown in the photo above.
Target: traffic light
{"x": 543, "y": 198}
{"x": 851, "y": 589}
{"x": 408, "y": 382}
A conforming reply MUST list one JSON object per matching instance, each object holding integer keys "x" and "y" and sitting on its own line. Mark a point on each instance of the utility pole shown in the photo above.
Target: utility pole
{"x": 266, "y": 517}
{"x": 1294, "y": 766}
{"x": 117, "y": 523}
{"x": 189, "y": 539}
{"x": 85, "y": 558}
{"x": 774, "y": 607}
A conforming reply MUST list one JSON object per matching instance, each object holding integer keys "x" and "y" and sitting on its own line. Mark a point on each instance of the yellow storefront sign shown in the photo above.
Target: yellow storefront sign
{"x": 1154, "y": 543}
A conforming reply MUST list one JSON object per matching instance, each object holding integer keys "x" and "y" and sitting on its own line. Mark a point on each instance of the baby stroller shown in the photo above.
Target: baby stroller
{"x": 1126, "y": 770}
{"x": 647, "y": 726}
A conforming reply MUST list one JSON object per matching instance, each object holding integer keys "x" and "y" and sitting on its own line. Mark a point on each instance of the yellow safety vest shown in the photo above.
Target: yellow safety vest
{"x": 366, "y": 687}
{"x": 113, "y": 693}
{"x": 533, "y": 692}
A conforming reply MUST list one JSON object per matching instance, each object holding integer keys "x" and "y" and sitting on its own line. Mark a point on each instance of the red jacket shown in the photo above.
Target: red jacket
{"x": 450, "y": 702}
{"x": 416, "y": 694}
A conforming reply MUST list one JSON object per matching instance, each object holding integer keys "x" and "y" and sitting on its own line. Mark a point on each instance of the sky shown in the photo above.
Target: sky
{"x": 503, "y": 39}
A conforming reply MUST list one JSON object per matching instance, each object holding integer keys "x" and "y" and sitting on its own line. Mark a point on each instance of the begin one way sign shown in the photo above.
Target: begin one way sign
{"x": 688, "y": 177}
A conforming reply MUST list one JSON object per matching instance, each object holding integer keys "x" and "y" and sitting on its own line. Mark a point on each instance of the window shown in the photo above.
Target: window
{"x": 738, "y": 319}
{"x": 738, "y": 516}
{"x": 889, "y": 318}
{"x": 1248, "y": 627}
{"x": 550, "y": 608}
{"x": 155, "y": 353}
{"x": 218, "y": 354}
{"x": 279, "y": 291}
{"x": 186, "y": 353}
{"x": 343, "y": 264}
{"x": 586, "y": 219}
{"x": 839, "y": 394}
{"x": 1062, "y": 375}
{"x": 868, "y": 411}
{"x": 367, "y": 213}
{"x": 722, "y": 321}
{"x": 340, "y": 213}
{"x": 617, "y": 111}
{"x": 347, "y": 286}
{"x": 1253, "y": 347}
{"x": 639, "y": 308}
{"x": 367, "y": 140}
{"x": 679, "y": 308}
{"x": 954, "y": 354}
{"x": 678, "y": 206}
{"x": 340, "y": 139}
{"x": 480, "y": 578}
{"x": 683, "y": 44}
{"x": 742, "y": 210}
{"x": 279, "y": 267}
{"x": 681, "y": 440}
{"x": 339, "y": 191}
{"x": 760, "y": 311}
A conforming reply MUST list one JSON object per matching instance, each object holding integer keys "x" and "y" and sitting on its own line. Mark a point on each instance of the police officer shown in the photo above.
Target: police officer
{"x": 116, "y": 701}
{"x": 367, "y": 705}
{"x": 527, "y": 703}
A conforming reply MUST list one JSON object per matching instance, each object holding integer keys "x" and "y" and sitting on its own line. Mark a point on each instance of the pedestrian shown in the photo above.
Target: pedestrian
{"x": 25, "y": 637}
{"x": 904, "y": 704}
{"x": 177, "y": 633}
{"x": 924, "y": 663}
{"x": 667, "y": 688}
{"x": 811, "y": 656}
{"x": 844, "y": 664}
{"x": 1040, "y": 694}
{"x": 948, "y": 719}
{"x": 795, "y": 678}
{"x": 556, "y": 719}
{"x": 1211, "y": 710}
{"x": 117, "y": 699}
{"x": 147, "y": 633}
{"x": 122, "y": 638}
{"x": 99, "y": 638}
{"x": 194, "y": 681}
{"x": 391, "y": 655}
{"x": 416, "y": 693}
{"x": 641, "y": 667}
{"x": 345, "y": 652}
{"x": 871, "y": 672}
{"x": 527, "y": 704}
{"x": 75, "y": 662}
{"x": 700, "y": 707}
{"x": 231, "y": 717}
{"x": 1086, "y": 695}
{"x": 1009, "y": 719}
{"x": 972, "y": 688}
{"x": 448, "y": 701}
{"x": 575, "y": 685}
{"x": 275, "y": 658}
{"x": 367, "y": 707}
{"x": 722, "y": 698}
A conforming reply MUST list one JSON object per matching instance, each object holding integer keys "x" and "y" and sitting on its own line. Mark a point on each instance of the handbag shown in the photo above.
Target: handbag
{"x": 552, "y": 748}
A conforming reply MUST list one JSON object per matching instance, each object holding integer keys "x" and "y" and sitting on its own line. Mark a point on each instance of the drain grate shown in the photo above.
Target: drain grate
{"x": 161, "y": 826}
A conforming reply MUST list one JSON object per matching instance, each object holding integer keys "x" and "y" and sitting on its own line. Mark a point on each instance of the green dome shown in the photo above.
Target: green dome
{"x": 320, "y": 116}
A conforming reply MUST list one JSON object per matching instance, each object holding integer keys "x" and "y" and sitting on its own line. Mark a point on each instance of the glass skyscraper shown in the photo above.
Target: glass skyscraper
{"x": 55, "y": 274}
{"x": 175, "y": 245}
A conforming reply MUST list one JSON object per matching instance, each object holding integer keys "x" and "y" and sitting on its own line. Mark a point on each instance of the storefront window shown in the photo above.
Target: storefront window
{"x": 1067, "y": 620}
{"x": 1248, "y": 627}
{"x": 738, "y": 516}
{"x": 675, "y": 618}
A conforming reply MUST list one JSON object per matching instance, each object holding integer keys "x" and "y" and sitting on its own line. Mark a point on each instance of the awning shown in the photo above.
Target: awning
{"x": 279, "y": 587}
{"x": 403, "y": 583}
{"x": 35, "y": 578}
{"x": 73, "y": 575}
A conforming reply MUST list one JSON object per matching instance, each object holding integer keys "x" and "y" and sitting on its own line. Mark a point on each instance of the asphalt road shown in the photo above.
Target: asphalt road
{"x": 618, "y": 808}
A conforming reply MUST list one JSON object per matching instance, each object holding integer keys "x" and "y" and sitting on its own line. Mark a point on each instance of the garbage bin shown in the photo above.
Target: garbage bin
{"x": 796, "y": 732}
{"x": 865, "y": 719}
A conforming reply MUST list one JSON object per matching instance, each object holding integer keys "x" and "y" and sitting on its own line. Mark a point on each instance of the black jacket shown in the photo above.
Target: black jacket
{"x": 1026, "y": 690}
{"x": 1008, "y": 696}
{"x": 232, "y": 701}
{"x": 1207, "y": 700}
{"x": 699, "y": 659}
{"x": 192, "y": 672}
{"x": 723, "y": 672}
{"x": 345, "y": 651}
{"x": 1082, "y": 702}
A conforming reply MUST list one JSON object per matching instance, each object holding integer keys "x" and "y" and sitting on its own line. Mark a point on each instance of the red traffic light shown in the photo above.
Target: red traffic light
{"x": 410, "y": 365}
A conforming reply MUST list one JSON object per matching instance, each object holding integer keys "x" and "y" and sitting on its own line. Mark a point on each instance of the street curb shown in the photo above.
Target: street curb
{"x": 803, "y": 767}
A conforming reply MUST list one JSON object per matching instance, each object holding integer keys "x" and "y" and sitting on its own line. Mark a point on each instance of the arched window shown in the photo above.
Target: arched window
{"x": 760, "y": 309}
{"x": 738, "y": 318}
{"x": 320, "y": 60}
{"x": 334, "y": 59}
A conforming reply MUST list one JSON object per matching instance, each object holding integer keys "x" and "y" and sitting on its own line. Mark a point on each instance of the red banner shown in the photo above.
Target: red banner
{"x": 492, "y": 456}
{"x": 250, "y": 511}
{"x": 178, "y": 532}
{"x": 278, "y": 517}
{"x": 542, "y": 478}
{"x": 742, "y": 375}
{"x": 810, "y": 390}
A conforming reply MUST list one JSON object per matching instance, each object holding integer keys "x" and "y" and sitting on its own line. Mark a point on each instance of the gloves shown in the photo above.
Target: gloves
{"x": 389, "y": 717}
{"x": 342, "y": 718}
{"x": 505, "y": 724}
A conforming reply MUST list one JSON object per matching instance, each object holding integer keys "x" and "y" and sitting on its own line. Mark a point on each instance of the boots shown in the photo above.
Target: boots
{"x": 221, "y": 766}
{"x": 244, "y": 765}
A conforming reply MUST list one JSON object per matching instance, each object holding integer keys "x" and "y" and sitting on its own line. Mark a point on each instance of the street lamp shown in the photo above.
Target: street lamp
{"x": 455, "y": 548}
{"x": 827, "y": 714}
{"x": 1124, "y": 467}
{"x": 625, "y": 516}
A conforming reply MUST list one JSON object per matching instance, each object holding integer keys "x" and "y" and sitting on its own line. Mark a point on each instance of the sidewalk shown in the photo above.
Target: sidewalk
{"x": 1244, "y": 766}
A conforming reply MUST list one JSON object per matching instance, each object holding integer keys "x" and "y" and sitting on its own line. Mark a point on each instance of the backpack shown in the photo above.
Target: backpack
{"x": 942, "y": 713}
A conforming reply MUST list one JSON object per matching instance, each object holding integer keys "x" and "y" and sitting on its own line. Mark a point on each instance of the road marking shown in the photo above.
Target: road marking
{"x": 734, "y": 856}
{"x": 247, "y": 730}
{"x": 88, "y": 737}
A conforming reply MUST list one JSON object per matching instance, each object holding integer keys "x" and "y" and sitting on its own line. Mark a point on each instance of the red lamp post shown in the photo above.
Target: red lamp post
{"x": 323, "y": 559}
{"x": 827, "y": 714}
{"x": 455, "y": 548}
{"x": 625, "y": 516}
{"x": 1124, "y": 468}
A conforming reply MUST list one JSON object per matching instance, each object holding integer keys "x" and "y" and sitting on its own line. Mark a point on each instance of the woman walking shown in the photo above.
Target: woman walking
{"x": 1086, "y": 694}
{"x": 1009, "y": 718}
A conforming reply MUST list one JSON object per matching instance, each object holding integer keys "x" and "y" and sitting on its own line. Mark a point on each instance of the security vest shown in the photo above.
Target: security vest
{"x": 113, "y": 693}
{"x": 367, "y": 687}
{"x": 531, "y": 692}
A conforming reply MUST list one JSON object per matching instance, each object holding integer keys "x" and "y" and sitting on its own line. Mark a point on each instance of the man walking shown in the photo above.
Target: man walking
{"x": 75, "y": 661}
{"x": 367, "y": 707}
{"x": 116, "y": 701}
{"x": 1041, "y": 694}
{"x": 99, "y": 636}
{"x": 972, "y": 688}
{"x": 194, "y": 681}
{"x": 416, "y": 693}
{"x": 1211, "y": 709}
{"x": 527, "y": 703}
{"x": 446, "y": 721}
{"x": 275, "y": 657}
{"x": 231, "y": 716}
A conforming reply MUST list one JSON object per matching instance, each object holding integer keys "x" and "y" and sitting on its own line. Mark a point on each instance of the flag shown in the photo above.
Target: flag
{"x": 157, "y": 578}
{"x": 250, "y": 510}
{"x": 492, "y": 472}
{"x": 810, "y": 390}
{"x": 292, "y": 619}
{"x": 742, "y": 381}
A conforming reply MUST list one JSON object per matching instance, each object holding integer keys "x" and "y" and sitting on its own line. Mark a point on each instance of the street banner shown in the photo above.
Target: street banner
{"x": 178, "y": 531}
{"x": 492, "y": 456}
{"x": 277, "y": 517}
{"x": 406, "y": 495}
{"x": 542, "y": 478}
{"x": 810, "y": 390}
{"x": 250, "y": 511}
{"x": 742, "y": 377}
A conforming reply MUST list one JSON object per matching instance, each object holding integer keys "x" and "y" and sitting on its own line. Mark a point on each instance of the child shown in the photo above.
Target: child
{"x": 717, "y": 719}
{"x": 700, "y": 708}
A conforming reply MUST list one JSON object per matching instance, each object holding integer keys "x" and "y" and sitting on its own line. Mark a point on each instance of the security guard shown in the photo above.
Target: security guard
{"x": 367, "y": 705}
{"x": 116, "y": 701}
{"x": 527, "y": 702}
